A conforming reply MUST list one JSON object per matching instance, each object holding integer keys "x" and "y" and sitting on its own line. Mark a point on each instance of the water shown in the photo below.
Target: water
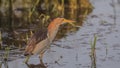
{"x": 73, "y": 51}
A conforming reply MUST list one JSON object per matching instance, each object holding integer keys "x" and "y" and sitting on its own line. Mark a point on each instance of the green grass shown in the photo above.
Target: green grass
{"x": 93, "y": 45}
{"x": 93, "y": 52}
{"x": 6, "y": 55}
{"x": 33, "y": 9}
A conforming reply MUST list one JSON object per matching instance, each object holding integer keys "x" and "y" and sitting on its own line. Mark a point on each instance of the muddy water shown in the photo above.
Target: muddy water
{"x": 73, "y": 51}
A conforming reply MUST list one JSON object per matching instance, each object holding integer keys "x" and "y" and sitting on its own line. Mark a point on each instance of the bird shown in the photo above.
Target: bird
{"x": 43, "y": 38}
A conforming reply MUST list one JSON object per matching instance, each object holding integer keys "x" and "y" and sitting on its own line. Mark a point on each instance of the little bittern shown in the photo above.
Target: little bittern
{"x": 42, "y": 39}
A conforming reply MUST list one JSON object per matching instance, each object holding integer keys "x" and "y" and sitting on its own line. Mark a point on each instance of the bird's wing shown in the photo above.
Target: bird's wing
{"x": 37, "y": 37}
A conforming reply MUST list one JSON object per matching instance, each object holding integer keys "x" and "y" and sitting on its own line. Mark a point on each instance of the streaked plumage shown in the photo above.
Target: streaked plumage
{"x": 42, "y": 39}
{"x": 39, "y": 36}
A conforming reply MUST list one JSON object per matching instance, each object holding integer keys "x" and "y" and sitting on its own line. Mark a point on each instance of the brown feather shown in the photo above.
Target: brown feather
{"x": 40, "y": 35}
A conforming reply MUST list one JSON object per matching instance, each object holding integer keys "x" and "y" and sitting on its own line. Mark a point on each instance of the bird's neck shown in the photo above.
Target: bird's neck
{"x": 52, "y": 31}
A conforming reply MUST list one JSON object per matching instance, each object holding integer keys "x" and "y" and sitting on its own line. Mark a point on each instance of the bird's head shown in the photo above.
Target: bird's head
{"x": 60, "y": 21}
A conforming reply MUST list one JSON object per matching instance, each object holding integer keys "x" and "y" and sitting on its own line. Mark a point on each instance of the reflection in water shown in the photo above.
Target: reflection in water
{"x": 5, "y": 63}
{"x": 93, "y": 60}
{"x": 35, "y": 65}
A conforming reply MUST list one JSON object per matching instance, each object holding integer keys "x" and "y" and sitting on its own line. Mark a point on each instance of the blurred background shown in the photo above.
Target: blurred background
{"x": 93, "y": 45}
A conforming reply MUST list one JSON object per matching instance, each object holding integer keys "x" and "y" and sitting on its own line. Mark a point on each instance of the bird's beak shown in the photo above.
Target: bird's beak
{"x": 69, "y": 21}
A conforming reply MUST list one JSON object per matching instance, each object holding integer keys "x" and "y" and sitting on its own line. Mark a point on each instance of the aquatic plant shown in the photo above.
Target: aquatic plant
{"x": 93, "y": 45}
{"x": 93, "y": 52}
{"x": 30, "y": 16}
{"x": 33, "y": 9}
{"x": 6, "y": 55}
{"x": 5, "y": 58}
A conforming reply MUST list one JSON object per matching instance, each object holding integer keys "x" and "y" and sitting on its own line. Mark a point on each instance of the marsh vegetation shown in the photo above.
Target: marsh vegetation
{"x": 94, "y": 45}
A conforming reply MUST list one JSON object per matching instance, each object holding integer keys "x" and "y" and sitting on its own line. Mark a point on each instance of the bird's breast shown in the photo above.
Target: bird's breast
{"x": 41, "y": 46}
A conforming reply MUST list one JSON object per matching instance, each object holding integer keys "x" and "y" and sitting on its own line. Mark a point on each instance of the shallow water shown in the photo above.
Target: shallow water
{"x": 73, "y": 51}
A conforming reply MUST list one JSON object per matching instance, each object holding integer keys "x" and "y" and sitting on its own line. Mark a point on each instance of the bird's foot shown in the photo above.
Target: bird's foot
{"x": 41, "y": 62}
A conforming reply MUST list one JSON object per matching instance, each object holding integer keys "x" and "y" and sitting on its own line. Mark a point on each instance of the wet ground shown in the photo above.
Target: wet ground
{"x": 73, "y": 51}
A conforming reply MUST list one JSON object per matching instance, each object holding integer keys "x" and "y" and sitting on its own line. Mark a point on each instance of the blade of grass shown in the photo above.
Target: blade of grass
{"x": 93, "y": 46}
{"x": 7, "y": 49}
{"x": 93, "y": 52}
{"x": 33, "y": 9}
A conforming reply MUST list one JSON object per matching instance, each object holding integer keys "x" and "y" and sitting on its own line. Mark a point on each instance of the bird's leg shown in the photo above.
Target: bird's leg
{"x": 49, "y": 49}
{"x": 27, "y": 59}
{"x": 41, "y": 55}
